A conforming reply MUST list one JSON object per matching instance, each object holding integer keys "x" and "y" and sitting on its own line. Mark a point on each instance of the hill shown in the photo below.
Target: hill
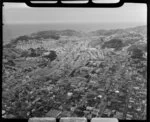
{"x": 138, "y": 29}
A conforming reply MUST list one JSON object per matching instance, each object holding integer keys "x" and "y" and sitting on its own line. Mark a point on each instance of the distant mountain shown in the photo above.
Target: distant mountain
{"x": 105, "y": 32}
{"x": 42, "y": 35}
{"x": 138, "y": 29}
{"x": 70, "y": 33}
{"x": 51, "y": 33}
{"x": 55, "y": 34}
{"x": 119, "y": 38}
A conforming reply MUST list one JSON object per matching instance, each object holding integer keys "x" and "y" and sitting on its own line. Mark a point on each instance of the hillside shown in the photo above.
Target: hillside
{"x": 138, "y": 29}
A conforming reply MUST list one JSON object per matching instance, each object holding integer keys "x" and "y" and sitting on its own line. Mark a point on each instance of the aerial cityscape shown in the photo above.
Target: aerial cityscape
{"x": 76, "y": 73}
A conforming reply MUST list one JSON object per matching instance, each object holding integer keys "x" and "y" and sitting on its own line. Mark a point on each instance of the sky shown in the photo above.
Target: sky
{"x": 14, "y": 13}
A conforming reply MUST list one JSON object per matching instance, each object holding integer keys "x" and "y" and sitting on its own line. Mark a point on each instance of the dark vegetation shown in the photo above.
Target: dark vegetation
{"x": 42, "y": 35}
{"x": 46, "y": 35}
{"x": 136, "y": 51}
{"x": 117, "y": 44}
{"x": 106, "y": 32}
{"x": 51, "y": 56}
{"x": 138, "y": 30}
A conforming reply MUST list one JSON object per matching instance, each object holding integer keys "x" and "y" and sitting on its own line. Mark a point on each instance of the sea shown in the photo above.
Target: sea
{"x": 12, "y": 31}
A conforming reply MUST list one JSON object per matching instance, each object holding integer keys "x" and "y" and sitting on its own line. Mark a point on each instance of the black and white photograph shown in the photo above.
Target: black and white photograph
{"x": 74, "y": 62}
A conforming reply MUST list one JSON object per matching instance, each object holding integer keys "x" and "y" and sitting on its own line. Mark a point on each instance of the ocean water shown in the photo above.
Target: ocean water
{"x": 11, "y": 31}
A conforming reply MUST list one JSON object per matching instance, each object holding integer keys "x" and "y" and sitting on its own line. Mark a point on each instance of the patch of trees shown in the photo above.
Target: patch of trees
{"x": 37, "y": 36}
{"x": 46, "y": 35}
{"x": 21, "y": 38}
{"x": 69, "y": 33}
{"x": 106, "y": 32}
{"x": 135, "y": 52}
{"x": 26, "y": 38}
{"x": 14, "y": 42}
{"x": 51, "y": 55}
{"x": 117, "y": 44}
{"x": 33, "y": 52}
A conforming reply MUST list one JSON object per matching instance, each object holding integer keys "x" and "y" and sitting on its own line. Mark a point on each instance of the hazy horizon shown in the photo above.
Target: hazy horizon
{"x": 19, "y": 19}
{"x": 11, "y": 31}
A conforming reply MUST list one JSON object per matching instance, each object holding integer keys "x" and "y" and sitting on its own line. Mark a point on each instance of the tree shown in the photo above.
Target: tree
{"x": 51, "y": 55}
{"x": 32, "y": 52}
{"x": 135, "y": 52}
{"x": 114, "y": 43}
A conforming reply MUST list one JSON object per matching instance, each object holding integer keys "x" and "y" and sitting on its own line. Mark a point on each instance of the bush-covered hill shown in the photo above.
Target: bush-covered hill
{"x": 43, "y": 35}
{"x": 138, "y": 29}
